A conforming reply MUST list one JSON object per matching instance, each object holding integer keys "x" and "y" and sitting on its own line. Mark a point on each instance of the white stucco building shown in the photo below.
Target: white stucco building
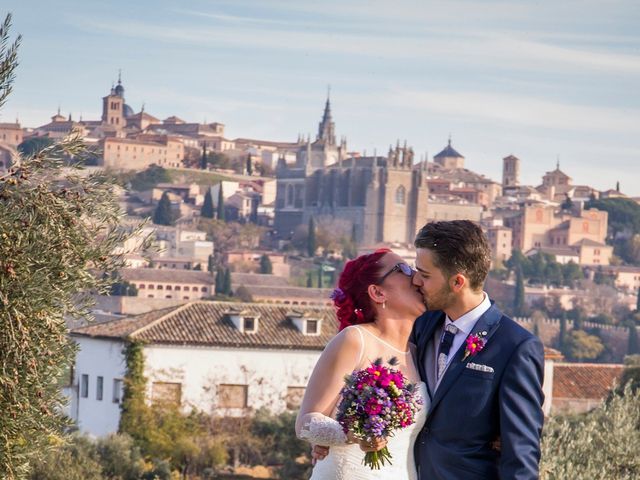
{"x": 221, "y": 358}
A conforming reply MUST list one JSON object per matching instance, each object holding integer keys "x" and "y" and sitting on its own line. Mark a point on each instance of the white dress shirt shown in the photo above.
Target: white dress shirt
{"x": 465, "y": 326}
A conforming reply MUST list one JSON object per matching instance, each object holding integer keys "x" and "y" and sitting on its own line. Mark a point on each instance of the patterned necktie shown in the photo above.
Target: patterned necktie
{"x": 445, "y": 345}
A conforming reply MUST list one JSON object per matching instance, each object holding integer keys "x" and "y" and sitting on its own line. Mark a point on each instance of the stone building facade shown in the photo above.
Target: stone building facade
{"x": 385, "y": 198}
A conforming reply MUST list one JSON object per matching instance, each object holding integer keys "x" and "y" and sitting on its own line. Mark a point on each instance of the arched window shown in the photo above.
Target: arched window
{"x": 401, "y": 195}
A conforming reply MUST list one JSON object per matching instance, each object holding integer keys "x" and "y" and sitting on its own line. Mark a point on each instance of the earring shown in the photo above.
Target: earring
{"x": 384, "y": 304}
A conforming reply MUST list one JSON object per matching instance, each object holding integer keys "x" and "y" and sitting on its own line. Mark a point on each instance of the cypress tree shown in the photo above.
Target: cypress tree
{"x": 633, "y": 340}
{"x": 204, "y": 160}
{"x": 563, "y": 331}
{"x": 210, "y": 264}
{"x": 227, "y": 282}
{"x": 518, "y": 301}
{"x": 265, "y": 264}
{"x": 320, "y": 277}
{"x": 309, "y": 280}
{"x": 163, "y": 214}
{"x": 311, "y": 238}
{"x": 249, "y": 165}
{"x": 207, "y": 206}
{"x": 638, "y": 301}
{"x": 220, "y": 208}
{"x": 219, "y": 280}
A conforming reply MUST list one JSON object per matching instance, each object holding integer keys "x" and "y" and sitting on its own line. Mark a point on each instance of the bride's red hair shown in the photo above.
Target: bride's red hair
{"x": 351, "y": 298}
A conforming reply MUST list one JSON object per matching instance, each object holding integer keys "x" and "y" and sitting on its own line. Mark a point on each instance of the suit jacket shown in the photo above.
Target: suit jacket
{"x": 500, "y": 397}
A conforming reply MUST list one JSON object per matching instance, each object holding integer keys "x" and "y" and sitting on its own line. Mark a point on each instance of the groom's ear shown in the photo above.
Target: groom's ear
{"x": 457, "y": 282}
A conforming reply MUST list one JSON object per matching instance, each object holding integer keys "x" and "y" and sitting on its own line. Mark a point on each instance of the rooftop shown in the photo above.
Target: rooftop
{"x": 584, "y": 380}
{"x": 205, "y": 323}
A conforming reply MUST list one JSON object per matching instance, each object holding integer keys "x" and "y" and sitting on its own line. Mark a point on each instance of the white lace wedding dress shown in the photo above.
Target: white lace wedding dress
{"x": 345, "y": 460}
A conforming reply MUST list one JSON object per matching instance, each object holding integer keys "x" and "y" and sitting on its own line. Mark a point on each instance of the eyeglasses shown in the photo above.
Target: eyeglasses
{"x": 400, "y": 267}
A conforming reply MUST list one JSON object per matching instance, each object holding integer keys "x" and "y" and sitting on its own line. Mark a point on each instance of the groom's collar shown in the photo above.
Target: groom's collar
{"x": 466, "y": 322}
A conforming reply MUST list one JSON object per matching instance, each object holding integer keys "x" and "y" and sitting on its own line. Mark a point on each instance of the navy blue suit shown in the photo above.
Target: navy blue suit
{"x": 471, "y": 408}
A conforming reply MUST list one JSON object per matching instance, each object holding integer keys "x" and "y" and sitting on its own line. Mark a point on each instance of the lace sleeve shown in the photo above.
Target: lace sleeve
{"x": 314, "y": 423}
{"x": 318, "y": 429}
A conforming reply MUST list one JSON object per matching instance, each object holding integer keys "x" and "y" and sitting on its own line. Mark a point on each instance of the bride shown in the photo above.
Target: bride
{"x": 376, "y": 307}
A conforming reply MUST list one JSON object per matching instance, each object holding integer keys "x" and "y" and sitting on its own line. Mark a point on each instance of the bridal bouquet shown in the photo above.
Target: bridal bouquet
{"x": 375, "y": 402}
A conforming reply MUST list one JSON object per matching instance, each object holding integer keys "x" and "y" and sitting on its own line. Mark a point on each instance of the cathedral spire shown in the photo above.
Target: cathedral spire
{"x": 326, "y": 128}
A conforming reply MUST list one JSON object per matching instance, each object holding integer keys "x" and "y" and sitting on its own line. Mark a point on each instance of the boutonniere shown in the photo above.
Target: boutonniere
{"x": 475, "y": 344}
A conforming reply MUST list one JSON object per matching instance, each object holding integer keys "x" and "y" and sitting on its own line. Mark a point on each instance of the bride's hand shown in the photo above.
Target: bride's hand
{"x": 318, "y": 452}
{"x": 372, "y": 446}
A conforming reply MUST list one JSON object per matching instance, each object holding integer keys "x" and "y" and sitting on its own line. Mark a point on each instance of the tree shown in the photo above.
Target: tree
{"x": 311, "y": 238}
{"x": 519, "y": 296}
{"x": 638, "y": 301}
{"x": 75, "y": 460}
{"x": 226, "y": 284}
{"x": 219, "y": 280}
{"x": 244, "y": 294}
{"x": 567, "y": 204}
{"x": 603, "y": 443}
{"x": 249, "y": 166}
{"x": 34, "y": 144}
{"x": 220, "y": 214}
{"x": 265, "y": 264}
{"x": 210, "y": 264}
{"x": 207, "y": 206}
{"x": 163, "y": 214}
{"x": 633, "y": 346}
{"x": 204, "y": 161}
{"x": 56, "y": 229}
{"x": 147, "y": 179}
{"x": 563, "y": 331}
{"x": 581, "y": 346}
{"x": 123, "y": 288}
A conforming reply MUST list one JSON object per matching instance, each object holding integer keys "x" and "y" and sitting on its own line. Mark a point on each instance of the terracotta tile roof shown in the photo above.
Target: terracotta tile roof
{"x": 584, "y": 380}
{"x": 289, "y": 292}
{"x": 205, "y": 323}
{"x": 167, "y": 275}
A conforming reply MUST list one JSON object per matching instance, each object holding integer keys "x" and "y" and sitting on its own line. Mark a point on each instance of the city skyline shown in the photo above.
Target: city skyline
{"x": 543, "y": 82}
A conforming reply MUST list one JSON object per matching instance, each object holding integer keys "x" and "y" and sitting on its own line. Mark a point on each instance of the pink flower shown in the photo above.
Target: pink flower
{"x": 475, "y": 344}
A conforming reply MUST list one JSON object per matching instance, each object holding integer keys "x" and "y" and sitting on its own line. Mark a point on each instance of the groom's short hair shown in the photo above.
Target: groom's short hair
{"x": 458, "y": 246}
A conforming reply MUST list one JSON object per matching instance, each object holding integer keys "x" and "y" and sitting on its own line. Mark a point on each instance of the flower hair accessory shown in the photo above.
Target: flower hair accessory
{"x": 338, "y": 295}
{"x": 475, "y": 344}
{"x": 359, "y": 314}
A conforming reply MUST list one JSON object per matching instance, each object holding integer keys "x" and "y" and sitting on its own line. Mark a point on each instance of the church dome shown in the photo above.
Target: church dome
{"x": 119, "y": 90}
{"x": 127, "y": 111}
{"x": 449, "y": 151}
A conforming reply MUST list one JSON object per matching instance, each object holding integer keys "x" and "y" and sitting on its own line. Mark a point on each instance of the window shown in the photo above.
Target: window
{"x": 177, "y": 288}
{"x": 166, "y": 392}
{"x": 294, "y": 397}
{"x": 232, "y": 396}
{"x": 117, "y": 390}
{"x": 160, "y": 287}
{"x": 312, "y": 327}
{"x": 250, "y": 325}
{"x": 99, "y": 388}
{"x": 203, "y": 289}
{"x": 401, "y": 195}
{"x": 141, "y": 286}
{"x": 194, "y": 289}
{"x": 84, "y": 385}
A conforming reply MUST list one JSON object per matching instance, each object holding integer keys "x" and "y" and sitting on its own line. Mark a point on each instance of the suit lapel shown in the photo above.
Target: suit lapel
{"x": 425, "y": 347}
{"x": 489, "y": 323}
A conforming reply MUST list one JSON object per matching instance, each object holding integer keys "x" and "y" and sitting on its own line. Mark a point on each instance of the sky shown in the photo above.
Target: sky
{"x": 546, "y": 81}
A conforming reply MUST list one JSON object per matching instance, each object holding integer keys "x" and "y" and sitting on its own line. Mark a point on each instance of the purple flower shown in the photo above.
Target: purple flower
{"x": 338, "y": 295}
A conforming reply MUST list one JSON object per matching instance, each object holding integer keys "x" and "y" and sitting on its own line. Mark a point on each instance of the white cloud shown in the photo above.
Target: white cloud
{"x": 518, "y": 109}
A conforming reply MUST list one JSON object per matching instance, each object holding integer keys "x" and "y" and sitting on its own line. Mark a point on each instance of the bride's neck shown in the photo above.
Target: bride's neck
{"x": 394, "y": 331}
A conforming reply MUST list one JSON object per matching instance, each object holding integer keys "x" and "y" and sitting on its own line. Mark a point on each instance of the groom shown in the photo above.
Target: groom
{"x": 483, "y": 371}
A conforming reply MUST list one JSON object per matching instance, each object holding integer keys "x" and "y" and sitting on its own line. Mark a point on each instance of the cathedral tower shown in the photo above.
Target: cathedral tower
{"x": 510, "y": 171}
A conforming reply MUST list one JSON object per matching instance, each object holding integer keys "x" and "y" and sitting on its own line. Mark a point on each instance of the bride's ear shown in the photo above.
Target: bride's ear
{"x": 376, "y": 294}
